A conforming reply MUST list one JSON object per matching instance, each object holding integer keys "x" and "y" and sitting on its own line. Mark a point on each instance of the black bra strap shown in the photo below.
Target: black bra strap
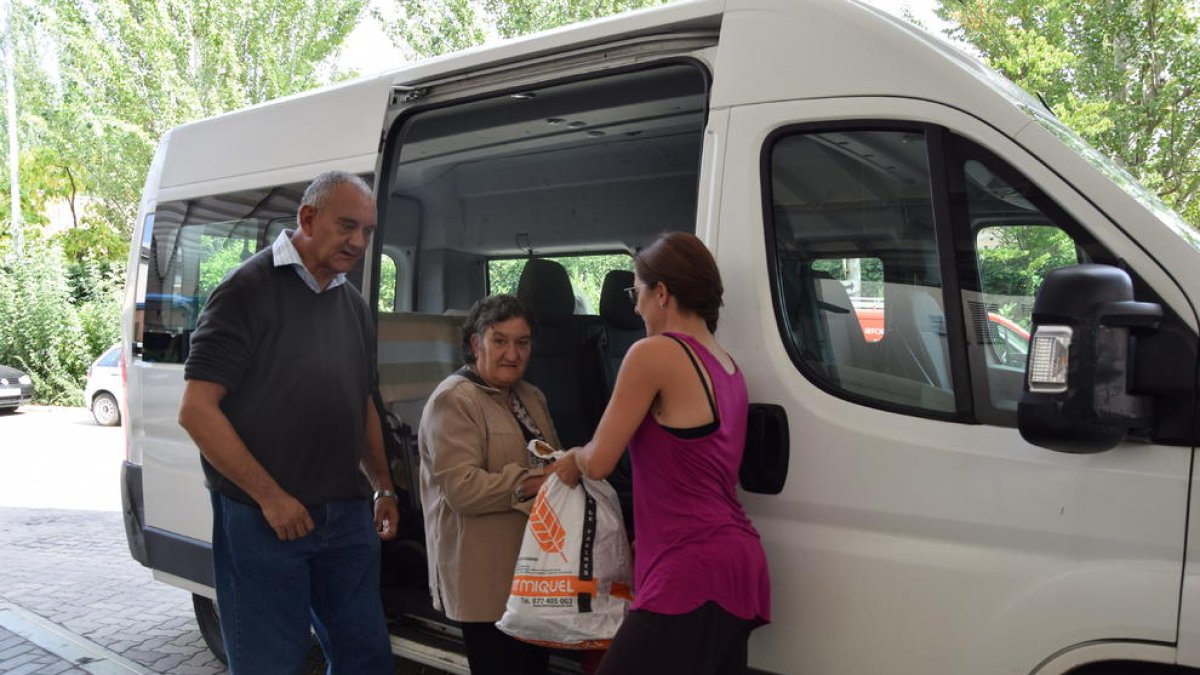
{"x": 699, "y": 373}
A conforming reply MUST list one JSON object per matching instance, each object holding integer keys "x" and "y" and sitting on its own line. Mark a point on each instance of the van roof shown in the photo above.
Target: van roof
{"x": 803, "y": 49}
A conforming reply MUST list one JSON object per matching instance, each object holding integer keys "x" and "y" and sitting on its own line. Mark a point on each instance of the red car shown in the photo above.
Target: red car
{"x": 1010, "y": 344}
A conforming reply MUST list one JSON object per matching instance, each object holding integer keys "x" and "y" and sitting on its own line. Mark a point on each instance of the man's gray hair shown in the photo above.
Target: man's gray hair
{"x": 325, "y": 183}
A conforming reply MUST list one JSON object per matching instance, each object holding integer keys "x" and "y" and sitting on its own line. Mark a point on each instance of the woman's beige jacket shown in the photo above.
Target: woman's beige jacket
{"x": 472, "y": 456}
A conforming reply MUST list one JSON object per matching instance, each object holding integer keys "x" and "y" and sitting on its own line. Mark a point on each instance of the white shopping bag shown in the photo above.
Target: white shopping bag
{"x": 571, "y": 586}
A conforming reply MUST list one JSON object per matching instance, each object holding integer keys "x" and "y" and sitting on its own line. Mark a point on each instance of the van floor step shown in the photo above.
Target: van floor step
{"x": 412, "y": 642}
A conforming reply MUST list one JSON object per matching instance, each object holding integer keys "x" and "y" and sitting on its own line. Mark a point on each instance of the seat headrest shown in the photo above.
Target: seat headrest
{"x": 615, "y": 307}
{"x": 545, "y": 290}
{"x": 832, "y": 293}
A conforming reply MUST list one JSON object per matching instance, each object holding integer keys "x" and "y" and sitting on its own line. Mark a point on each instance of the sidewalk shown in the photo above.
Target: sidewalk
{"x": 69, "y": 592}
{"x": 19, "y": 656}
{"x": 31, "y": 645}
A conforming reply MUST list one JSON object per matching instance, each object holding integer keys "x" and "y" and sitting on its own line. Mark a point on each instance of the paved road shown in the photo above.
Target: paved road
{"x": 59, "y": 458}
{"x": 68, "y": 583}
{"x": 71, "y": 598}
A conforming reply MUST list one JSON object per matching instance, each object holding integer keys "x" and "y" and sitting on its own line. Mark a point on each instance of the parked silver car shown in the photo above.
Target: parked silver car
{"x": 105, "y": 388}
{"x": 16, "y": 389}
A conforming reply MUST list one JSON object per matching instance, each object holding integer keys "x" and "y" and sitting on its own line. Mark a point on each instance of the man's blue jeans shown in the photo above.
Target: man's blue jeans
{"x": 269, "y": 591}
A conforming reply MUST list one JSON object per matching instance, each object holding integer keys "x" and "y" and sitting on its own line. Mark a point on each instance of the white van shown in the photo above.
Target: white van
{"x": 832, "y": 157}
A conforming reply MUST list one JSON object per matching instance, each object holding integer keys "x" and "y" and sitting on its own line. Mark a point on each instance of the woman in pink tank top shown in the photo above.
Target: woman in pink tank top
{"x": 680, "y": 405}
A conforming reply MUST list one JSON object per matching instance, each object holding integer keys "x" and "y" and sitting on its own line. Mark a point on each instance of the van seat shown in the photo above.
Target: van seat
{"x": 844, "y": 339}
{"x": 567, "y": 360}
{"x": 916, "y": 335}
{"x": 416, "y": 352}
{"x": 622, "y": 325}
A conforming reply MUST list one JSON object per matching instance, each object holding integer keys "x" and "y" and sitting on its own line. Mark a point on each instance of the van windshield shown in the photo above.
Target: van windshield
{"x": 1118, "y": 175}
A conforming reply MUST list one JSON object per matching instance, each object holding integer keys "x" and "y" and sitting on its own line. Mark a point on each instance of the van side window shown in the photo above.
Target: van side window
{"x": 858, "y": 283}
{"x": 1017, "y": 236}
{"x": 189, "y": 246}
{"x": 1013, "y": 260}
{"x": 387, "y": 283}
{"x": 585, "y": 271}
{"x": 859, "y": 263}
{"x": 863, "y": 279}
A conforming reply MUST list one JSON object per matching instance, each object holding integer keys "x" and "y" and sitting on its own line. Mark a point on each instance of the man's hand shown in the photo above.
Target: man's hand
{"x": 288, "y": 517}
{"x": 387, "y": 517}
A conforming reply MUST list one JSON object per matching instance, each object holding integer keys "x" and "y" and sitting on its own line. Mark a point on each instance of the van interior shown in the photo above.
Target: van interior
{"x": 585, "y": 171}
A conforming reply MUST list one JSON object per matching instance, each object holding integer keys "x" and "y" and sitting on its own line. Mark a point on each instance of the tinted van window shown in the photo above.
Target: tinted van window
{"x": 192, "y": 245}
{"x": 859, "y": 287}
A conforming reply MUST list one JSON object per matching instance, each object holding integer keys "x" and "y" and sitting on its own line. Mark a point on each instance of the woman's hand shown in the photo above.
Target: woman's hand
{"x": 566, "y": 469}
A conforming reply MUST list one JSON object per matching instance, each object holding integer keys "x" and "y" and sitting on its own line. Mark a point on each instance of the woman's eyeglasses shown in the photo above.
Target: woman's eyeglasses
{"x": 632, "y": 292}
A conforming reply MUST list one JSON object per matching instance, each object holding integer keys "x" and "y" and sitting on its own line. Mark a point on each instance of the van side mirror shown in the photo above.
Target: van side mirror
{"x": 1077, "y": 377}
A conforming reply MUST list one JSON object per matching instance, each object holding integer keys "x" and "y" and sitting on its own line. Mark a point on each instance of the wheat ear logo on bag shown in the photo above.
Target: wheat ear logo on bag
{"x": 546, "y": 527}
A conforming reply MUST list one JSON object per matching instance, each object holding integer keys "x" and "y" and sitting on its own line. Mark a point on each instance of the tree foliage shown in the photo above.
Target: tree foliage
{"x": 99, "y": 82}
{"x": 103, "y": 80}
{"x": 1122, "y": 73}
{"x": 425, "y": 28}
{"x": 585, "y": 271}
{"x": 41, "y": 332}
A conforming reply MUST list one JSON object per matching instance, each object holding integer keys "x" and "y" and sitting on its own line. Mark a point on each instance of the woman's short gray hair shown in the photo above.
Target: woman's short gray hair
{"x": 325, "y": 183}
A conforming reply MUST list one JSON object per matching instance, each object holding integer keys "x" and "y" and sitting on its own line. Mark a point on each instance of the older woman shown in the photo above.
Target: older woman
{"x": 477, "y": 480}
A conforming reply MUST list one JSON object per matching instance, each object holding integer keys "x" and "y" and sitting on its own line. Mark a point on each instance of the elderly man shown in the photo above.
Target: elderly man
{"x": 278, "y": 399}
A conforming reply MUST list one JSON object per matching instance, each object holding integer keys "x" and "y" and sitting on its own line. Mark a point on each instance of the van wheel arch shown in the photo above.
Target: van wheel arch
{"x": 1132, "y": 668}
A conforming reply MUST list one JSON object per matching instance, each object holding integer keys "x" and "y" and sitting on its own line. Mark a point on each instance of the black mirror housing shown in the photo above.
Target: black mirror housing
{"x": 1093, "y": 410}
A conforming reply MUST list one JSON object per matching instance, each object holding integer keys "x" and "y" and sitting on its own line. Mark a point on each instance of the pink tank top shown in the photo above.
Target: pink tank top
{"x": 695, "y": 543}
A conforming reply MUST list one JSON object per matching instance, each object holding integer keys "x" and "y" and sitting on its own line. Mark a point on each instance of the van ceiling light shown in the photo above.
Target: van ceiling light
{"x": 595, "y": 132}
{"x": 554, "y": 120}
{"x": 524, "y": 95}
{"x": 1049, "y": 358}
{"x": 576, "y": 124}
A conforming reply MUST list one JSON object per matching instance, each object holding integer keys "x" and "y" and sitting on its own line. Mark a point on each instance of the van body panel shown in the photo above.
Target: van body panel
{"x": 134, "y": 431}
{"x": 360, "y": 164}
{"x": 170, "y": 460}
{"x": 681, "y": 16}
{"x": 320, "y": 129}
{"x": 1189, "y": 612}
{"x": 777, "y": 51}
{"x": 1010, "y": 554}
{"x": 186, "y": 584}
{"x": 1082, "y": 655}
{"x": 712, "y": 173}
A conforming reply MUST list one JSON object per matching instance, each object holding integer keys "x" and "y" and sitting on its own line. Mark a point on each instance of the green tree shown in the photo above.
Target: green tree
{"x": 1122, "y": 73}
{"x": 426, "y": 28}
{"x": 100, "y": 82}
{"x": 585, "y": 271}
{"x": 41, "y": 332}
{"x": 103, "y": 80}
{"x": 1015, "y": 259}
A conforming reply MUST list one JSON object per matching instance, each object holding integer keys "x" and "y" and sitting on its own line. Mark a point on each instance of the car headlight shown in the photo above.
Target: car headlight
{"x": 24, "y": 379}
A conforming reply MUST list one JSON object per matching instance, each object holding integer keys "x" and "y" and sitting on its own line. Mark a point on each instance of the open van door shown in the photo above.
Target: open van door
{"x": 918, "y": 532}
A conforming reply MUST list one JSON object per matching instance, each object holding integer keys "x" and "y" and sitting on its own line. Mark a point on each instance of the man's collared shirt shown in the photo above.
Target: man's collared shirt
{"x": 286, "y": 254}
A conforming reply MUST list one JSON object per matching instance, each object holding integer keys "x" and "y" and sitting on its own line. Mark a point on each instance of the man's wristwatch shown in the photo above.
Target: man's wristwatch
{"x": 519, "y": 492}
{"x": 379, "y": 494}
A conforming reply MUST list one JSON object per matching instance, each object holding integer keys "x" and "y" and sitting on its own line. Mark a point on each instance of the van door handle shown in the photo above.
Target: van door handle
{"x": 765, "y": 461}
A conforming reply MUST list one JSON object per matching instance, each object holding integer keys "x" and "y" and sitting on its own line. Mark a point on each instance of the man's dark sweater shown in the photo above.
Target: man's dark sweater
{"x": 298, "y": 367}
